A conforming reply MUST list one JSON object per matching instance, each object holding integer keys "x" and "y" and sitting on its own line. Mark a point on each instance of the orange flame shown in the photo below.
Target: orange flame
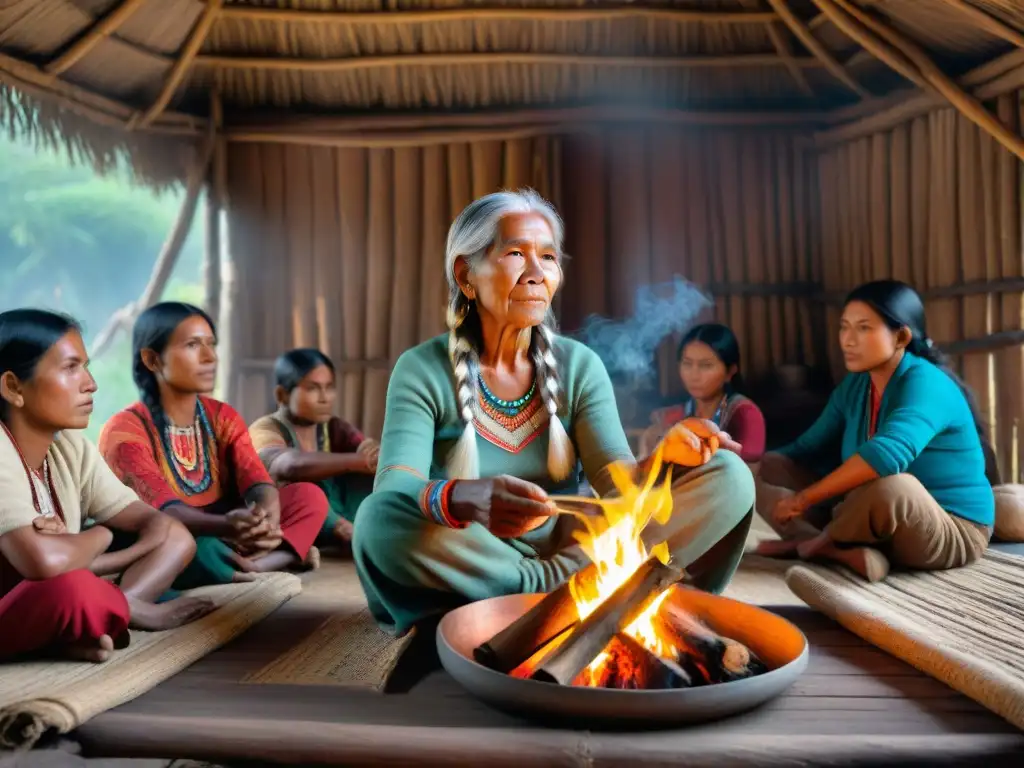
{"x": 617, "y": 549}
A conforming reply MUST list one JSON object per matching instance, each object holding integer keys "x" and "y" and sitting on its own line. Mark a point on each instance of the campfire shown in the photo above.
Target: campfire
{"x": 612, "y": 624}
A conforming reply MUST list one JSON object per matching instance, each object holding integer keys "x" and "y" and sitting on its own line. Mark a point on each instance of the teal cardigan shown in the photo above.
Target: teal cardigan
{"x": 924, "y": 429}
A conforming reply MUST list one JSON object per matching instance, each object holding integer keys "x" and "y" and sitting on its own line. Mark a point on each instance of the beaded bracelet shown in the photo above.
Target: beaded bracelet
{"x": 434, "y": 502}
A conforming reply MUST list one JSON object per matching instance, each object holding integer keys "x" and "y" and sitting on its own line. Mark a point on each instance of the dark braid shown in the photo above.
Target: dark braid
{"x": 149, "y": 391}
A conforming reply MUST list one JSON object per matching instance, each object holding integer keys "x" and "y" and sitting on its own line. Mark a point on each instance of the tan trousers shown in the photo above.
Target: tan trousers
{"x": 895, "y": 515}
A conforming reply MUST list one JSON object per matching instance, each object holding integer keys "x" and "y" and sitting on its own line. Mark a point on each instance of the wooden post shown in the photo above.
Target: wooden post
{"x": 215, "y": 191}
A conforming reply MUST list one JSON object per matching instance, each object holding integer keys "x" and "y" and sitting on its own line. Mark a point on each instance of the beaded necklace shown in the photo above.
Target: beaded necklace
{"x": 44, "y": 496}
{"x": 188, "y": 448}
{"x": 506, "y": 407}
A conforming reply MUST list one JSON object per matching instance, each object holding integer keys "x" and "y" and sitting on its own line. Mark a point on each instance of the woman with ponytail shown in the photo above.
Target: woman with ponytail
{"x": 191, "y": 457}
{"x": 481, "y": 424}
{"x": 912, "y": 489}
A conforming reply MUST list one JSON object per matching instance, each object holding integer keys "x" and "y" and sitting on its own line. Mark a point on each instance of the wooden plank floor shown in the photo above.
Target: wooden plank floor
{"x": 854, "y": 705}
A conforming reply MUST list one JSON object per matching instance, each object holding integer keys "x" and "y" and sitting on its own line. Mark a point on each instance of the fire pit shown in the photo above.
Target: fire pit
{"x": 775, "y": 642}
{"x": 621, "y": 640}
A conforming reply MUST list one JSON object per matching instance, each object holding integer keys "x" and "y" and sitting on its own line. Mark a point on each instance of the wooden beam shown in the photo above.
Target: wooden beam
{"x": 443, "y": 15}
{"x": 961, "y": 100}
{"x": 354, "y": 63}
{"x": 861, "y": 34}
{"x": 994, "y": 78}
{"x": 290, "y": 122}
{"x": 988, "y": 22}
{"x": 188, "y": 54}
{"x": 101, "y": 29}
{"x": 103, "y": 110}
{"x": 990, "y": 343}
{"x": 804, "y": 35}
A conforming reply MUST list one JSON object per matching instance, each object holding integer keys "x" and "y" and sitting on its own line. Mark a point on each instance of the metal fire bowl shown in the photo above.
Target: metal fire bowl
{"x": 776, "y": 641}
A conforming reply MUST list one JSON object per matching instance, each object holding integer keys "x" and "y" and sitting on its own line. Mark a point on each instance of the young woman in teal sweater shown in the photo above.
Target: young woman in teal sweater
{"x": 482, "y": 424}
{"x": 912, "y": 483}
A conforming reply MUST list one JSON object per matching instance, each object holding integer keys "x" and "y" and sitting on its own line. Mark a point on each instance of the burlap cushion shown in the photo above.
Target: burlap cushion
{"x": 1009, "y": 513}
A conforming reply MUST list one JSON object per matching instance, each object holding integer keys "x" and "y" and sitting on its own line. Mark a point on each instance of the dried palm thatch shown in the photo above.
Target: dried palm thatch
{"x": 150, "y": 65}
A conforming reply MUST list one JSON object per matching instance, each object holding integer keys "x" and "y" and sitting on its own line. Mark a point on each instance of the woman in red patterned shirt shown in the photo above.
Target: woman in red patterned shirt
{"x": 190, "y": 456}
{"x": 709, "y": 366}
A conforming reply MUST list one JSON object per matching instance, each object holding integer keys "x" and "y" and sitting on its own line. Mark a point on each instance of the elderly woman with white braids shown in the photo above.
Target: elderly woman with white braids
{"x": 484, "y": 422}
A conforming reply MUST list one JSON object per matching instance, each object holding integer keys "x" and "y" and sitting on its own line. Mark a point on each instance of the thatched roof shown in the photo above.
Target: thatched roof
{"x": 153, "y": 63}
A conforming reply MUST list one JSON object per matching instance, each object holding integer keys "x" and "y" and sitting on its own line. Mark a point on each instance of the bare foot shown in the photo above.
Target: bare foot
{"x": 154, "y": 617}
{"x": 777, "y": 548}
{"x": 343, "y": 531}
{"x": 312, "y": 561}
{"x": 871, "y": 564}
{"x": 96, "y": 651}
{"x": 810, "y": 548}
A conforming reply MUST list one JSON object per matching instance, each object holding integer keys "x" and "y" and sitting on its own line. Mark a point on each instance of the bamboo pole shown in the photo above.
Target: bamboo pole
{"x": 961, "y": 100}
{"x": 988, "y": 22}
{"x": 355, "y": 63}
{"x": 444, "y": 15}
{"x": 804, "y": 35}
{"x": 860, "y": 34}
{"x": 101, "y": 29}
{"x": 188, "y": 55}
{"x": 123, "y": 319}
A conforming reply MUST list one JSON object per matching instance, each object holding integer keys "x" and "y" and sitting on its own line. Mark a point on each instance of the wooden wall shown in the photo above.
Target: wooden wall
{"x": 731, "y": 211}
{"x": 343, "y": 249}
{"x": 936, "y": 202}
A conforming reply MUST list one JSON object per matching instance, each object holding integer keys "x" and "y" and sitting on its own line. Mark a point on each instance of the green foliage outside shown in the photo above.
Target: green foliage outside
{"x": 85, "y": 245}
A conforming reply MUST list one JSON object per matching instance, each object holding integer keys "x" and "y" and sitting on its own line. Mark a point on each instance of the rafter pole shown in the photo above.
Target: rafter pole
{"x": 863, "y": 25}
{"x": 989, "y": 23}
{"x": 591, "y": 13}
{"x": 804, "y": 35}
{"x": 449, "y": 59}
{"x": 177, "y": 74}
{"x": 97, "y": 32}
{"x": 861, "y": 34}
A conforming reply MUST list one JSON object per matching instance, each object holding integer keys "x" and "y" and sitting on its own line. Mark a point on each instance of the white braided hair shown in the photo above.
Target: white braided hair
{"x": 471, "y": 236}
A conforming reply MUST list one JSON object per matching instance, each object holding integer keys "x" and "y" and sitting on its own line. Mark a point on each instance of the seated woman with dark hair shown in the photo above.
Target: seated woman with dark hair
{"x": 709, "y": 366}
{"x": 61, "y": 509}
{"x": 190, "y": 456}
{"x": 305, "y": 441}
{"x": 912, "y": 486}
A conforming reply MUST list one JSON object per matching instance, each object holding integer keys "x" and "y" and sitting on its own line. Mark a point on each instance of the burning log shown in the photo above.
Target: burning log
{"x": 528, "y": 634}
{"x": 705, "y": 655}
{"x": 631, "y": 666}
{"x": 589, "y": 637}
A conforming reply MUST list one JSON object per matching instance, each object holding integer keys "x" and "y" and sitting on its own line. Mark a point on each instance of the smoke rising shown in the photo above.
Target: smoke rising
{"x": 627, "y": 347}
